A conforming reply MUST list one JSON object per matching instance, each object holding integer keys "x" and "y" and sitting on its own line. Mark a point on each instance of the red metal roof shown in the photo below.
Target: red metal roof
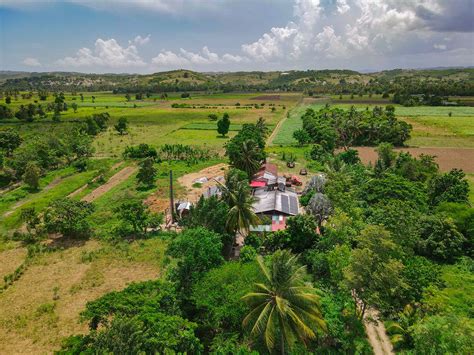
{"x": 267, "y": 167}
{"x": 258, "y": 183}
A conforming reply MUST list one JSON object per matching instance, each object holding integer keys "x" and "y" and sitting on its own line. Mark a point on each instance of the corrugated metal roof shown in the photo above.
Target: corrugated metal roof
{"x": 275, "y": 200}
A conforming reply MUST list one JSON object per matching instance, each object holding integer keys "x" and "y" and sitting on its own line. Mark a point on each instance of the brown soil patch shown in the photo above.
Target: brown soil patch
{"x": 83, "y": 187}
{"x": 194, "y": 193}
{"x": 447, "y": 158}
{"x": 157, "y": 204}
{"x": 10, "y": 260}
{"x": 266, "y": 97}
{"x": 116, "y": 179}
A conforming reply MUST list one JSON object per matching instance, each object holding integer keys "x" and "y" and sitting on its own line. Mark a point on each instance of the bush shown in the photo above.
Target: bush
{"x": 68, "y": 217}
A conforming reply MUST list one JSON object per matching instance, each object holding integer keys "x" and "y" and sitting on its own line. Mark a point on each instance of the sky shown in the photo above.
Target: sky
{"x": 146, "y": 36}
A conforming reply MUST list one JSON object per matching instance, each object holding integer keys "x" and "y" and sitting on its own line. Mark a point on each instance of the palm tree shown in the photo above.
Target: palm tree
{"x": 247, "y": 160}
{"x": 241, "y": 214}
{"x": 284, "y": 306}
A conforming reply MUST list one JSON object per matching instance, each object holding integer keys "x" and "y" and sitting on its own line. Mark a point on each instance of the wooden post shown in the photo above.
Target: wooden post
{"x": 171, "y": 197}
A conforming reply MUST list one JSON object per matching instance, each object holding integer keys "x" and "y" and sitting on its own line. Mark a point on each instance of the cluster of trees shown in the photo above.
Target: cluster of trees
{"x": 246, "y": 151}
{"x": 391, "y": 231}
{"x": 30, "y": 157}
{"x": 407, "y": 99}
{"x": 71, "y": 219}
{"x": 333, "y": 128}
{"x": 39, "y": 153}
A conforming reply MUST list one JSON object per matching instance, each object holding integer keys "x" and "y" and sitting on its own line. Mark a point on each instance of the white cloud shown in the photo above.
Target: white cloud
{"x": 342, "y": 6}
{"x": 270, "y": 45}
{"x": 169, "y": 59}
{"x": 440, "y": 46}
{"x": 139, "y": 40}
{"x": 328, "y": 43}
{"x": 31, "y": 62}
{"x": 190, "y": 59}
{"x": 106, "y": 53}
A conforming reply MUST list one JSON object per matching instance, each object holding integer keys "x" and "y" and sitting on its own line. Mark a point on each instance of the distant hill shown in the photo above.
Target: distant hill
{"x": 317, "y": 81}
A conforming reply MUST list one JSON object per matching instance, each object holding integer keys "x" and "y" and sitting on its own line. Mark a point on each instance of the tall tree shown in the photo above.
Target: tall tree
{"x": 241, "y": 214}
{"x": 374, "y": 274}
{"x": 147, "y": 173}
{"x": 122, "y": 125}
{"x": 223, "y": 125}
{"x": 283, "y": 306}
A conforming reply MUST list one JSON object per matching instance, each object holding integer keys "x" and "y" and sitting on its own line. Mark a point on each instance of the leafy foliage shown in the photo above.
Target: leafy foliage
{"x": 68, "y": 217}
{"x": 283, "y": 306}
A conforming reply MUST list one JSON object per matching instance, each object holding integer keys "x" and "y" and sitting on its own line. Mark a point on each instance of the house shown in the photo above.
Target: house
{"x": 274, "y": 204}
{"x": 267, "y": 175}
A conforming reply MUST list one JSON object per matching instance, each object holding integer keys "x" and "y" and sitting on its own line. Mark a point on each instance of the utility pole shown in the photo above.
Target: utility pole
{"x": 171, "y": 197}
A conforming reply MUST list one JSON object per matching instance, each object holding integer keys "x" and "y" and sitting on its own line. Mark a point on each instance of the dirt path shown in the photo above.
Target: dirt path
{"x": 20, "y": 203}
{"x": 377, "y": 333}
{"x": 10, "y": 188}
{"x": 116, "y": 179}
{"x": 83, "y": 187}
{"x": 276, "y": 130}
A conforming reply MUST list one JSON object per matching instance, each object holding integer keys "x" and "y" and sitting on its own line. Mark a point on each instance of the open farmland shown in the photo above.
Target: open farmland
{"x": 69, "y": 272}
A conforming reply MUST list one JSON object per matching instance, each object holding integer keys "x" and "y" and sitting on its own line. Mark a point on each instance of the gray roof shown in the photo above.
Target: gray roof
{"x": 275, "y": 200}
{"x": 212, "y": 191}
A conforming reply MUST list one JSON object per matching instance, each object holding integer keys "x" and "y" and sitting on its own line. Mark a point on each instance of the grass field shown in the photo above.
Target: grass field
{"x": 155, "y": 122}
{"x": 432, "y": 126}
{"x": 45, "y": 302}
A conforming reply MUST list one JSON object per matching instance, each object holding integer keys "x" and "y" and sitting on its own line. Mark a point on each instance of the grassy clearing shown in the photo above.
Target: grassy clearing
{"x": 65, "y": 185}
{"x": 44, "y": 304}
{"x": 104, "y": 219}
{"x": 154, "y": 121}
{"x": 285, "y": 135}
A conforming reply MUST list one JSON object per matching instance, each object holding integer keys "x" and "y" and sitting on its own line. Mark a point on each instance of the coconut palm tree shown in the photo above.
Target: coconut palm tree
{"x": 241, "y": 214}
{"x": 284, "y": 306}
{"x": 247, "y": 159}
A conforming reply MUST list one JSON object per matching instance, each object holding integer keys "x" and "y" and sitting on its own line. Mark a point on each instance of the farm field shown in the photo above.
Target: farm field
{"x": 155, "y": 122}
{"x": 44, "y": 304}
{"x": 71, "y": 273}
{"x": 450, "y": 138}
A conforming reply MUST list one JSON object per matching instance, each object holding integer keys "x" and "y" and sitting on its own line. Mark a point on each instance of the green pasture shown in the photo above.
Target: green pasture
{"x": 285, "y": 134}
{"x": 432, "y": 126}
{"x": 68, "y": 181}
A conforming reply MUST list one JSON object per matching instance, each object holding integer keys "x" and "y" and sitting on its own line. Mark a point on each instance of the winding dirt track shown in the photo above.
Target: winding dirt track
{"x": 377, "y": 334}
{"x": 116, "y": 179}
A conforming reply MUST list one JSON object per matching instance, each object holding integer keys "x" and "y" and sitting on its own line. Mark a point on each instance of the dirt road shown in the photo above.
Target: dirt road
{"x": 116, "y": 179}
{"x": 377, "y": 333}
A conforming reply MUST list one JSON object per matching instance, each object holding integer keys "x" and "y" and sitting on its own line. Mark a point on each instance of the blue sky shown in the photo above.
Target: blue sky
{"x": 145, "y": 36}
